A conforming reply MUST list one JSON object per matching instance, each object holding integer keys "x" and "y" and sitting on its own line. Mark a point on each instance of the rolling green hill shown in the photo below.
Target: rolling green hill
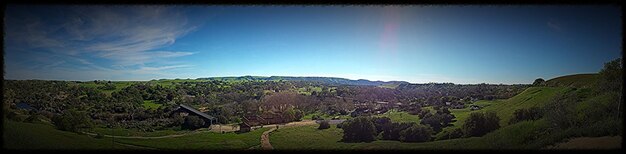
{"x": 18, "y": 135}
{"x": 576, "y": 80}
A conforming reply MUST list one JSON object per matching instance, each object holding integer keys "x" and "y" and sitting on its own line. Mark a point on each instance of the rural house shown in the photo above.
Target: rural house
{"x": 185, "y": 110}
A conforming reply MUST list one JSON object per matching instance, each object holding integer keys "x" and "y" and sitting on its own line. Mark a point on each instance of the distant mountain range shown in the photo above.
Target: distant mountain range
{"x": 329, "y": 80}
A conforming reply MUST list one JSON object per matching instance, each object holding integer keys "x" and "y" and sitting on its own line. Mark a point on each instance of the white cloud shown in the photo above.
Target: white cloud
{"x": 128, "y": 36}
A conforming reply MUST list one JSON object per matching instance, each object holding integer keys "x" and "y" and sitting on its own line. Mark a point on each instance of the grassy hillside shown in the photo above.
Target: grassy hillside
{"x": 209, "y": 140}
{"x": 18, "y": 135}
{"x": 577, "y": 80}
{"x": 531, "y": 97}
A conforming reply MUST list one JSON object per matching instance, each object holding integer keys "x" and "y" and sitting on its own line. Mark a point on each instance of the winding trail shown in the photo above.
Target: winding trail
{"x": 265, "y": 140}
{"x": 265, "y": 137}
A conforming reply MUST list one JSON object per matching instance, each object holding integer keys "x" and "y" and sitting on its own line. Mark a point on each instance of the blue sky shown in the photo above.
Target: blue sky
{"x": 418, "y": 44}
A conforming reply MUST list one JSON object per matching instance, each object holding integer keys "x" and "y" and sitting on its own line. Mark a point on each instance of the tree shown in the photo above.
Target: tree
{"x": 324, "y": 125}
{"x": 381, "y": 123}
{"x": 611, "y": 75}
{"x": 193, "y": 122}
{"x": 393, "y": 132}
{"x": 539, "y": 82}
{"x": 72, "y": 120}
{"x": 479, "y": 124}
{"x": 416, "y": 133}
{"x": 360, "y": 129}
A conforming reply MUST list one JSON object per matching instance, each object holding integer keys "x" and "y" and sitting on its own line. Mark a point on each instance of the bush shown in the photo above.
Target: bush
{"x": 359, "y": 129}
{"x": 450, "y": 134}
{"x": 299, "y": 115}
{"x": 479, "y": 124}
{"x": 72, "y": 120}
{"x": 193, "y": 122}
{"x": 393, "y": 133}
{"x": 108, "y": 86}
{"x": 560, "y": 110}
{"x": 381, "y": 123}
{"x": 416, "y": 133}
{"x": 36, "y": 118}
{"x": 610, "y": 77}
{"x": 533, "y": 113}
{"x": 316, "y": 117}
{"x": 324, "y": 125}
{"x": 339, "y": 125}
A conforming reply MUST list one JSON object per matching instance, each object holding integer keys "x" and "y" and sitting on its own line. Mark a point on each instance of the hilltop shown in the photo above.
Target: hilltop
{"x": 328, "y": 80}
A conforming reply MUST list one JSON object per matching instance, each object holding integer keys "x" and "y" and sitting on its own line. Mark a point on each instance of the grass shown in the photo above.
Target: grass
{"x": 396, "y": 116}
{"x": 18, "y": 135}
{"x": 522, "y": 135}
{"x": 576, "y": 80}
{"x": 209, "y": 140}
{"x": 150, "y": 105}
{"x": 531, "y": 97}
{"x": 309, "y": 137}
{"x": 130, "y": 132}
{"x": 325, "y": 116}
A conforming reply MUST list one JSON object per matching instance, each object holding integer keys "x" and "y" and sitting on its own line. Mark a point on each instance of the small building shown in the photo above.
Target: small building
{"x": 185, "y": 110}
{"x": 474, "y": 107}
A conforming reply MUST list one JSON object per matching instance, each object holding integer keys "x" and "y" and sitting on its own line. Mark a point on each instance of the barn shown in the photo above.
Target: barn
{"x": 185, "y": 110}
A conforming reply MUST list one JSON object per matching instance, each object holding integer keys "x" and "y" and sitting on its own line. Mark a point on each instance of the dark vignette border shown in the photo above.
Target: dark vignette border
{"x": 616, "y": 3}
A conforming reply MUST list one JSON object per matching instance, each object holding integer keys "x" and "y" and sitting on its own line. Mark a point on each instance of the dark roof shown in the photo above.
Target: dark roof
{"x": 189, "y": 108}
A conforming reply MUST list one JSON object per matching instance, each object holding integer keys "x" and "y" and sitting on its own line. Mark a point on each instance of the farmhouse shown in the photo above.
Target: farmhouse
{"x": 185, "y": 110}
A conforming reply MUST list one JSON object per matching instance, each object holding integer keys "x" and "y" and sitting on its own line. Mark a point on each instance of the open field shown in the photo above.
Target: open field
{"x": 208, "y": 140}
{"x": 397, "y": 116}
{"x": 19, "y": 135}
{"x": 150, "y": 105}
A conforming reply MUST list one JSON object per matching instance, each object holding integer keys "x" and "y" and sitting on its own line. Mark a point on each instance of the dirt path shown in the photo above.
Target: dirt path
{"x": 265, "y": 140}
{"x": 605, "y": 142}
{"x": 265, "y": 137}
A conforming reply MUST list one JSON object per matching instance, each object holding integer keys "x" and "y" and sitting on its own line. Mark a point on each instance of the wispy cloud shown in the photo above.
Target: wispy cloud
{"x": 554, "y": 26}
{"x": 125, "y": 36}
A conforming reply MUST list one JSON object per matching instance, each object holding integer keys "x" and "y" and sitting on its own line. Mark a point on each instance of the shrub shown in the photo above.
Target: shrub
{"x": 193, "y": 122}
{"x": 416, "y": 133}
{"x": 450, "y": 134}
{"x": 393, "y": 133}
{"x": 299, "y": 115}
{"x": 479, "y": 124}
{"x": 72, "y": 120}
{"x": 359, "y": 129}
{"x": 381, "y": 123}
{"x": 610, "y": 77}
{"x": 339, "y": 125}
{"x": 36, "y": 118}
{"x": 324, "y": 125}
{"x": 533, "y": 113}
{"x": 316, "y": 117}
{"x": 559, "y": 111}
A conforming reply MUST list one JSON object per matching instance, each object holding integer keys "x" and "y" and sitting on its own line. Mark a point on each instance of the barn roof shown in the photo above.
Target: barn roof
{"x": 189, "y": 108}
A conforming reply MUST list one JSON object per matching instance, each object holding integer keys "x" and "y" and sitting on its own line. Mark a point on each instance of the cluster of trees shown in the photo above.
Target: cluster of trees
{"x": 441, "y": 119}
{"x": 113, "y": 106}
{"x": 366, "y": 129}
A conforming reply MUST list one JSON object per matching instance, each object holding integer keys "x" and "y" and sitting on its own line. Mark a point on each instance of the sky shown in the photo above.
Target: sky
{"x": 419, "y": 44}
